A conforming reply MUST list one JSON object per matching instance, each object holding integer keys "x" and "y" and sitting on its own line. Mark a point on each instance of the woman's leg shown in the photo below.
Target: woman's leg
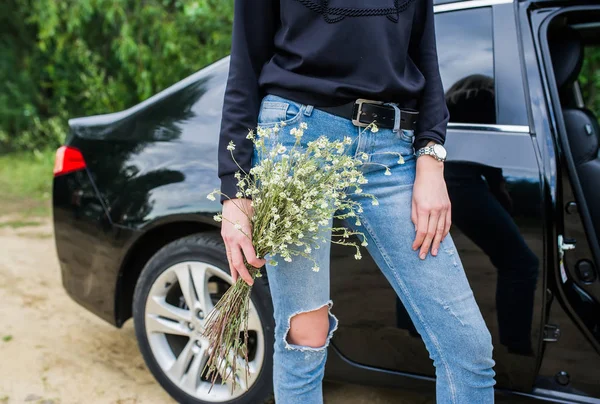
{"x": 435, "y": 291}
{"x": 303, "y": 324}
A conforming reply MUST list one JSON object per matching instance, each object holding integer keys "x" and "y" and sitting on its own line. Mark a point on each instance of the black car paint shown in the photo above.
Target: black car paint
{"x": 150, "y": 168}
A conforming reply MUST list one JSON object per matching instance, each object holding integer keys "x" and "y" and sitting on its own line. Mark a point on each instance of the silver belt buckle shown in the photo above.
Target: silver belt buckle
{"x": 360, "y": 102}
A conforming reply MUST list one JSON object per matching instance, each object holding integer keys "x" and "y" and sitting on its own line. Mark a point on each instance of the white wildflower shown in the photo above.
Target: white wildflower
{"x": 294, "y": 191}
{"x": 231, "y": 145}
{"x": 211, "y": 196}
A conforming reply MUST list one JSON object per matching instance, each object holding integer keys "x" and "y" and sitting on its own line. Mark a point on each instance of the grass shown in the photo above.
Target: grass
{"x": 17, "y": 224}
{"x": 25, "y": 183}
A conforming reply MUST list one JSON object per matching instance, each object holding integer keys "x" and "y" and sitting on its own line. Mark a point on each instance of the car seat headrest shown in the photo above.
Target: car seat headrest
{"x": 566, "y": 51}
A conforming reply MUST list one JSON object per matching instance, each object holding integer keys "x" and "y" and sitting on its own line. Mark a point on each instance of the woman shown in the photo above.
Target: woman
{"x": 312, "y": 61}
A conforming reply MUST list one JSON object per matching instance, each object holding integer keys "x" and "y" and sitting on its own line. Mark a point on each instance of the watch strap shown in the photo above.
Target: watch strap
{"x": 429, "y": 150}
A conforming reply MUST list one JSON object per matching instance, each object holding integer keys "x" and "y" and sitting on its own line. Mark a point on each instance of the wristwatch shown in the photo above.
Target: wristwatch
{"x": 437, "y": 151}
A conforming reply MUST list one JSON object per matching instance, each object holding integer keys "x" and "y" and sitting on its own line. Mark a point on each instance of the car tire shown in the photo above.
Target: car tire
{"x": 206, "y": 249}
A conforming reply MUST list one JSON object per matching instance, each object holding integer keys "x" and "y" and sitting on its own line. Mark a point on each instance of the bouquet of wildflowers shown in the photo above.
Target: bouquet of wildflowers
{"x": 293, "y": 191}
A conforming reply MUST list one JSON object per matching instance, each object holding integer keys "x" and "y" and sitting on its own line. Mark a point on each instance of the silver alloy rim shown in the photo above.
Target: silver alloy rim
{"x": 165, "y": 319}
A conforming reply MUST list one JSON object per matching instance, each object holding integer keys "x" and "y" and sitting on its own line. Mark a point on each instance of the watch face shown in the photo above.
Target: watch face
{"x": 439, "y": 150}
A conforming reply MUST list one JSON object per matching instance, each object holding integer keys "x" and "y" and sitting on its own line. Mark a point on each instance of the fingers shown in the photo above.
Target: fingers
{"x": 250, "y": 254}
{"x": 447, "y": 223}
{"x": 413, "y": 214}
{"x": 234, "y": 273}
{"x": 422, "y": 224}
{"x": 434, "y": 217}
{"x": 439, "y": 234}
{"x": 238, "y": 264}
{"x": 236, "y": 259}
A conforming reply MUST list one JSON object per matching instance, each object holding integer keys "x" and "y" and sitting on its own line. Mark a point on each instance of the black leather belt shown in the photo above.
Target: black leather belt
{"x": 362, "y": 112}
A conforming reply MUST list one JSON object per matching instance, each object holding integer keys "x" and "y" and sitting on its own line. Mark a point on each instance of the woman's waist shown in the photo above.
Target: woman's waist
{"x": 332, "y": 91}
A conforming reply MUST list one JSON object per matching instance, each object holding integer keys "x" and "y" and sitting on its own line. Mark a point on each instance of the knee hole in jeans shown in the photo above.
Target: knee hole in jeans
{"x": 310, "y": 330}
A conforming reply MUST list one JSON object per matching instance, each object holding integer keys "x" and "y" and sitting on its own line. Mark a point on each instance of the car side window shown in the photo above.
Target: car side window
{"x": 589, "y": 79}
{"x": 465, "y": 50}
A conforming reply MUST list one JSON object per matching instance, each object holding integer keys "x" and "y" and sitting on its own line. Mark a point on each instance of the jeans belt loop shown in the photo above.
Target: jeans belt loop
{"x": 396, "y": 115}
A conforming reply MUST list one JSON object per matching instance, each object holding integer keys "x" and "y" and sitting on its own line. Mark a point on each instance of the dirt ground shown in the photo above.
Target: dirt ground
{"x": 52, "y": 351}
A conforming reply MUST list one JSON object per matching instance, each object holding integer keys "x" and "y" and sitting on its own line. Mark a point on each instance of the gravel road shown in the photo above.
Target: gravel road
{"x": 52, "y": 351}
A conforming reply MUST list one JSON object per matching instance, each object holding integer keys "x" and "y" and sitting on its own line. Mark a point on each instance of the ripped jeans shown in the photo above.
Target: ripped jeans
{"x": 435, "y": 291}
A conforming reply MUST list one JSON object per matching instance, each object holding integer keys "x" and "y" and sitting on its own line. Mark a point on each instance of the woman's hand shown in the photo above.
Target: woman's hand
{"x": 430, "y": 206}
{"x": 235, "y": 240}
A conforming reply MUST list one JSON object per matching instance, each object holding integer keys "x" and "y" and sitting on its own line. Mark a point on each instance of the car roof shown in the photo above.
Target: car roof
{"x": 436, "y": 2}
{"x": 491, "y": 2}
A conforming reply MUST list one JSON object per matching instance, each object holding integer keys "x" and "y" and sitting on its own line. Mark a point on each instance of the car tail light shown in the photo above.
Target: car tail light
{"x": 68, "y": 159}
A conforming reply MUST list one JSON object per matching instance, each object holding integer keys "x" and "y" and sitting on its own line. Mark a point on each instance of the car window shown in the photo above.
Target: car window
{"x": 466, "y": 58}
{"x": 589, "y": 79}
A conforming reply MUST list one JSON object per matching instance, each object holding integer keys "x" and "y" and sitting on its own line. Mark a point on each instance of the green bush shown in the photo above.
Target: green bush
{"x": 66, "y": 58}
{"x": 589, "y": 79}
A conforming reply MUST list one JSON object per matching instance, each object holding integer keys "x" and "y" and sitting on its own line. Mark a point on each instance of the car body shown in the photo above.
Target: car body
{"x": 519, "y": 204}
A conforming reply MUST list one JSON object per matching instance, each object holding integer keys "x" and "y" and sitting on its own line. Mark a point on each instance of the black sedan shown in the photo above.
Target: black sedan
{"x": 135, "y": 233}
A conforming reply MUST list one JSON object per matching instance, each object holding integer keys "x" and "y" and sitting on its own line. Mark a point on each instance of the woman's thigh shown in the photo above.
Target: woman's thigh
{"x": 298, "y": 286}
{"x": 435, "y": 291}
{"x": 295, "y": 286}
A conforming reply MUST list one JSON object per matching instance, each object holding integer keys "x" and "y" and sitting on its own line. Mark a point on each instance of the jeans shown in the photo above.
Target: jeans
{"x": 435, "y": 291}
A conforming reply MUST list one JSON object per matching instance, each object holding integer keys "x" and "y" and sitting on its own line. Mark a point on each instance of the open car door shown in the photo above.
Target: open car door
{"x": 568, "y": 48}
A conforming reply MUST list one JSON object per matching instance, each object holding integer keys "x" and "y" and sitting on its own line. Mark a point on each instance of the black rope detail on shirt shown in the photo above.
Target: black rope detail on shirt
{"x": 340, "y": 12}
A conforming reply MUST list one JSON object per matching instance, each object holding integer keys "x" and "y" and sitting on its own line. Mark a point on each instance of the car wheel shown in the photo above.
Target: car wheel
{"x": 175, "y": 292}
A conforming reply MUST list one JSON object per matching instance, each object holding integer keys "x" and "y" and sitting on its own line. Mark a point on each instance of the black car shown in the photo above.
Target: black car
{"x": 135, "y": 233}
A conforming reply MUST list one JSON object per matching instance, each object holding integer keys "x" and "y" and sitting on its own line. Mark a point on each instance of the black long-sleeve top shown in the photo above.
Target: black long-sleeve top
{"x": 326, "y": 53}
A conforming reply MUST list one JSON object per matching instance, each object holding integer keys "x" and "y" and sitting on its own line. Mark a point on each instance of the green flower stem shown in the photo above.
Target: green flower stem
{"x": 223, "y": 327}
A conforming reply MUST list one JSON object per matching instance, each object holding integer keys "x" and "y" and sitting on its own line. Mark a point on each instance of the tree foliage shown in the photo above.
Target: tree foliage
{"x": 66, "y": 58}
{"x": 589, "y": 79}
